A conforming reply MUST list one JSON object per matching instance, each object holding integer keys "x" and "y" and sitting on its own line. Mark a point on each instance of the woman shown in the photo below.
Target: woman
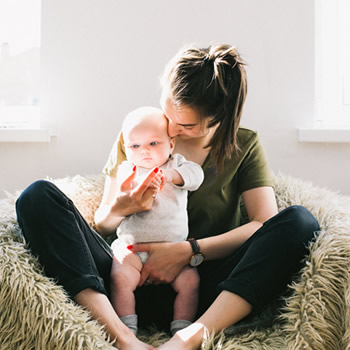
{"x": 245, "y": 266}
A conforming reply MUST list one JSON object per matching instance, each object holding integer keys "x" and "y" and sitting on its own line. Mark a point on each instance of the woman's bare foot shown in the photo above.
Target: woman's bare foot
{"x": 132, "y": 343}
{"x": 189, "y": 338}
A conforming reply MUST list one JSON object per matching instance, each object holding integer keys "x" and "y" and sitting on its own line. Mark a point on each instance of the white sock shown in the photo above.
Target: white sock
{"x": 130, "y": 321}
{"x": 177, "y": 325}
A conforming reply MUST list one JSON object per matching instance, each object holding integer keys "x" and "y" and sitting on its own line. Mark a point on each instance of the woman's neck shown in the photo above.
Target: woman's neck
{"x": 194, "y": 148}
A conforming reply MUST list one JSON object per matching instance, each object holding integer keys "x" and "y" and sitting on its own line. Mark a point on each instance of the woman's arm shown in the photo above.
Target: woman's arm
{"x": 166, "y": 260}
{"x": 260, "y": 204}
{"x": 107, "y": 222}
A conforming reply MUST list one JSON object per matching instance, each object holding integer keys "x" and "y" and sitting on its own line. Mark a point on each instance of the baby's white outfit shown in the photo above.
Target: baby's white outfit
{"x": 167, "y": 220}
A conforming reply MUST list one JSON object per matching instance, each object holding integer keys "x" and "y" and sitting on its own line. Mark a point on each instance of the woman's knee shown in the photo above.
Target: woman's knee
{"x": 33, "y": 197}
{"x": 302, "y": 219}
{"x": 300, "y": 225}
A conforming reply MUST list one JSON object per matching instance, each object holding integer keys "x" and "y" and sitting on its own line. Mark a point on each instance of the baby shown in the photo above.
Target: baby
{"x": 148, "y": 147}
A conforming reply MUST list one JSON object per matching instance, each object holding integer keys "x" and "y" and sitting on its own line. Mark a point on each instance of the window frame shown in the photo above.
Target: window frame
{"x": 331, "y": 74}
{"x": 331, "y": 120}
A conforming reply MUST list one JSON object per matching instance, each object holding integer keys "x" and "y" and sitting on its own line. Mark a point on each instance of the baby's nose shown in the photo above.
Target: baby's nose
{"x": 145, "y": 150}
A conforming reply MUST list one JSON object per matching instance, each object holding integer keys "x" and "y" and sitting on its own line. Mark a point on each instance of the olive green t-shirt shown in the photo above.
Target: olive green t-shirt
{"x": 215, "y": 207}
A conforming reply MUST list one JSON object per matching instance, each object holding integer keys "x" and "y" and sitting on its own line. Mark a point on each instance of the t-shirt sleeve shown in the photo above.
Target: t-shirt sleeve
{"x": 254, "y": 170}
{"x": 115, "y": 158}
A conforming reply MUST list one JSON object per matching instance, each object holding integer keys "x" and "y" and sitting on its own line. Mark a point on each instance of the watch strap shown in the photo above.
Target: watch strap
{"x": 195, "y": 245}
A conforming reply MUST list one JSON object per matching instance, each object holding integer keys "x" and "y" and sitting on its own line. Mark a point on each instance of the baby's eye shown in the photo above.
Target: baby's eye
{"x": 188, "y": 127}
{"x": 135, "y": 146}
{"x": 154, "y": 143}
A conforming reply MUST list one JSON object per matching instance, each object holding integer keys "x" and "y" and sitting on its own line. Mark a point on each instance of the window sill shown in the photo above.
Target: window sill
{"x": 324, "y": 135}
{"x": 26, "y": 135}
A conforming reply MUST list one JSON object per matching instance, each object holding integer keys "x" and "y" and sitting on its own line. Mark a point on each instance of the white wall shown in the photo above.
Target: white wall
{"x": 101, "y": 58}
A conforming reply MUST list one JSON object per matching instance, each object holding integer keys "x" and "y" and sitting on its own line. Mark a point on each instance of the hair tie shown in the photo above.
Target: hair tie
{"x": 206, "y": 58}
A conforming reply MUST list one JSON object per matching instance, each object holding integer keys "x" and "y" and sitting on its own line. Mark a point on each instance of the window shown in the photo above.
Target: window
{"x": 332, "y": 63}
{"x": 20, "y": 63}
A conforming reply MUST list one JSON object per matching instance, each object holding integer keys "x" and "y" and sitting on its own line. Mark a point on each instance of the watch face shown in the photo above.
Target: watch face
{"x": 196, "y": 260}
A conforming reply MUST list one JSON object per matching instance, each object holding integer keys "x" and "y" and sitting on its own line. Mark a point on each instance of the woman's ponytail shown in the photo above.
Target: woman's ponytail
{"x": 213, "y": 81}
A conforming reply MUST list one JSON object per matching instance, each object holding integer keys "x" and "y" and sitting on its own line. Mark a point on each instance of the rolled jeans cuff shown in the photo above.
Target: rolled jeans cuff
{"x": 75, "y": 286}
{"x": 238, "y": 287}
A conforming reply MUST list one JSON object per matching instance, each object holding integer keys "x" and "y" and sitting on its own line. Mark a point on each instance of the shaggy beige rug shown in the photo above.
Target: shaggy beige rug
{"x": 36, "y": 314}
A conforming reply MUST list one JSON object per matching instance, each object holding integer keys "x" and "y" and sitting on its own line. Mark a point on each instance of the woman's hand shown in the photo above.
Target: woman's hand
{"x": 165, "y": 261}
{"x": 132, "y": 200}
{"x": 127, "y": 199}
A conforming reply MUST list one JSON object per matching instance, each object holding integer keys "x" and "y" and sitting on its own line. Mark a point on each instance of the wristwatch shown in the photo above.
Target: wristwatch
{"x": 197, "y": 256}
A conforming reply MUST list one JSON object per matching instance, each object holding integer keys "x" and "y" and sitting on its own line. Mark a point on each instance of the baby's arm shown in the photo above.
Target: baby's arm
{"x": 173, "y": 176}
{"x": 190, "y": 173}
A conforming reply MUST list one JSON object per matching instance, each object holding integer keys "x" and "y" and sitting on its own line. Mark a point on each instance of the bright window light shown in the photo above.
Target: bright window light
{"x": 332, "y": 57}
{"x": 20, "y": 22}
{"x": 345, "y": 38}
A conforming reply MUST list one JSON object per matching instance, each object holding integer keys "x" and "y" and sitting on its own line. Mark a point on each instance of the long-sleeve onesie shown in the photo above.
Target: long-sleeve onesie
{"x": 167, "y": 220}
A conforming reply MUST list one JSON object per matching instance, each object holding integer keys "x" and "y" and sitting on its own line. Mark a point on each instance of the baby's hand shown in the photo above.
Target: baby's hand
{"x": 173, "y": 176}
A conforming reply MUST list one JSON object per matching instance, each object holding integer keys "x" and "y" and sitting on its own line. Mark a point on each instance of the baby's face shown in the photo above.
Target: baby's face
{"x": 148, "y": 146}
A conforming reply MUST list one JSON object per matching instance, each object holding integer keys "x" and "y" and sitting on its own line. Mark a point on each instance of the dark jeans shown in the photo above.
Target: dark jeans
{"x": 74, "y": 254}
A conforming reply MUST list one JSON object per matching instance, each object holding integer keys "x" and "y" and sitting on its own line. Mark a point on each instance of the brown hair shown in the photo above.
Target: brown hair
{"x": 214, "y": 82}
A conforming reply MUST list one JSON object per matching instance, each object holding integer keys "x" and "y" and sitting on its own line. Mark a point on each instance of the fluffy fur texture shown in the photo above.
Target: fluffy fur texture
{"x": 35, "y": 313}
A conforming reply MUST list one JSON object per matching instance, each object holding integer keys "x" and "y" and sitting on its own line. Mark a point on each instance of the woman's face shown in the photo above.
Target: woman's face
{"x": 183, "y": 121}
